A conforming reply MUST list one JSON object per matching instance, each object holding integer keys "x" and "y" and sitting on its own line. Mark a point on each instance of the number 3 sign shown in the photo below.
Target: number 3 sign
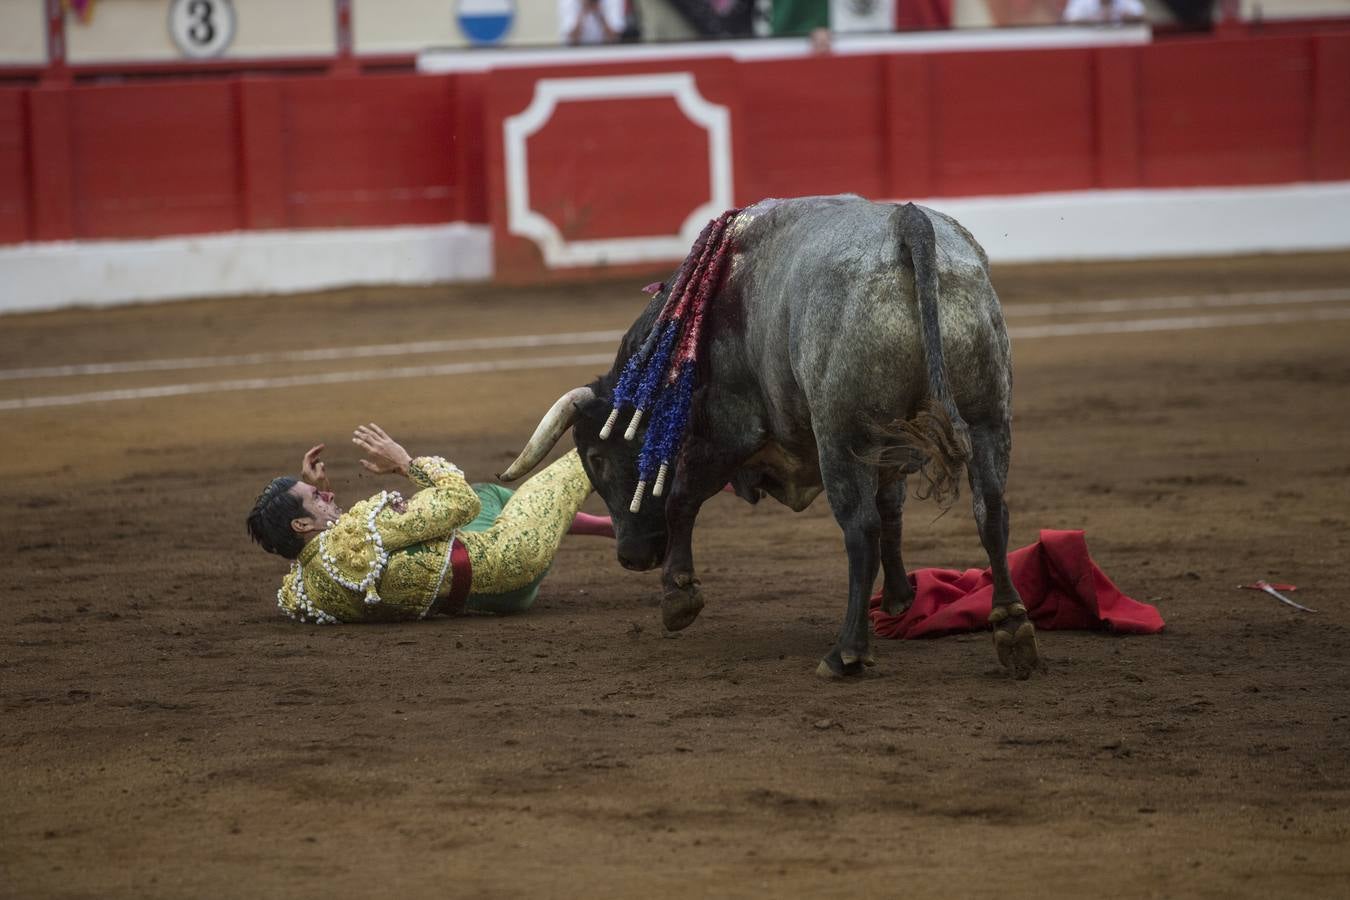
{"x": 201, "y": 28}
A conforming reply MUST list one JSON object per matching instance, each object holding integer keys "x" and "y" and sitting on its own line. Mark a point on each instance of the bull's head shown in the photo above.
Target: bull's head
{"x": 611, "y": 465}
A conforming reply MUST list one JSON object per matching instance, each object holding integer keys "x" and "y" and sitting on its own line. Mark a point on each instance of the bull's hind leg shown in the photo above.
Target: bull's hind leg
{"x": 852, "y": 490}
{"x": 896, "y": 591}
{"x": 1014, "y": 635}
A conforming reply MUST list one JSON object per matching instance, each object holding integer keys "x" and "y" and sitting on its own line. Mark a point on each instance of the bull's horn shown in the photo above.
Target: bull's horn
{"x": 558, "y": 419}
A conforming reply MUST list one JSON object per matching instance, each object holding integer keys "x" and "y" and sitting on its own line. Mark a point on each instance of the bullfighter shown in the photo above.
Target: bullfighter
{"x": 450, "y": 546}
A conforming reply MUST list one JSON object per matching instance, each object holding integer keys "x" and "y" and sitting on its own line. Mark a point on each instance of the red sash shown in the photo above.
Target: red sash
{"x": 461, "y": 579}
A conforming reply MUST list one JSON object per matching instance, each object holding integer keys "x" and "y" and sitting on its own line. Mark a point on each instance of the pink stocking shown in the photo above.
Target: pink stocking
{"x": 585, "y": 523}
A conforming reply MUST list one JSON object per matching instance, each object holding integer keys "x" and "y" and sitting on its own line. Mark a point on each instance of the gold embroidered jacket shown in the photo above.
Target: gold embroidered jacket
{"x": 410, "y": 560}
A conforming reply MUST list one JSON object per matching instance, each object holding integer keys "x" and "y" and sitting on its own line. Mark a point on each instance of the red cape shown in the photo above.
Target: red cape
{"x": 1058, "y": 581}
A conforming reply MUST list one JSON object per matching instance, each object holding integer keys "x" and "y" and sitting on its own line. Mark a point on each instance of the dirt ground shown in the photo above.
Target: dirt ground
{"x": 167, "y": 734}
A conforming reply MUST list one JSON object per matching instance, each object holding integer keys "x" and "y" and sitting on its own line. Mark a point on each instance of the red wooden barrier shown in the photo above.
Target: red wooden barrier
{"x": 1011, "y": 122}
{"x": 369, "y": 151}
{"x": 1244, "y": 111}
{"x": 262, "y": 153}
{"x": 13, "y": 166}
{"x": 347, "y": 151}
{"x": 813, "y": 126}
{"x": 1225, "y": 112}
{"x": 1116, "y": 102}
{"x": 909, "y": 151}
{"x": 185, "y": 156}
{"x": 142, "y": 160}
{"x": 51, "y": 162}
{"x": 154, "y": 159}
{"x": 1331, "y": 107}
{"x": 469, "y": 148}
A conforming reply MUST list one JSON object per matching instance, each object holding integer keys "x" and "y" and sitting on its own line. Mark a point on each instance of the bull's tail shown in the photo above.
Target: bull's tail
{"x": 935, "y": 442}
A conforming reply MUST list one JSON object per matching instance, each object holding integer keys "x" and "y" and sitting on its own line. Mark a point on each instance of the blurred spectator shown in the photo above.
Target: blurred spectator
{"x": 820, "y": 41}
{"x": 663, "y": 22}
{"x": 714, "y": 18}
{"x": 1112, "y": 12}
{"x": 793, "y": 17}
{"x": 592, "y": 21}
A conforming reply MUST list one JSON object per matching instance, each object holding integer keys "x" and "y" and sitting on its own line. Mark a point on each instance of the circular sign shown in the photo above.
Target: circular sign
{"x": 201, "y": 28}
{"x": 485, "y": 21}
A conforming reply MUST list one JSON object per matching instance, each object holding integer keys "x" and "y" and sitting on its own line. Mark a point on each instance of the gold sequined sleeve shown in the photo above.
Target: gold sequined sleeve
{"x": 446, "y": 502}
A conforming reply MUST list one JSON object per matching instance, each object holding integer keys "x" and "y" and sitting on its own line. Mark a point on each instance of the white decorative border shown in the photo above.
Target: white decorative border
{"x": 548, "y": 93}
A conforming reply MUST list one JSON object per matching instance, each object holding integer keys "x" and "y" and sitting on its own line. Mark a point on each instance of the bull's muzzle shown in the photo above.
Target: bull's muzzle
{"x": 640, "y": 555}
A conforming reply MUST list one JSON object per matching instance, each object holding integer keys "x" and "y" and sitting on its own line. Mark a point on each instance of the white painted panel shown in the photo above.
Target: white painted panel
{"x": 407, "y": 26}
{"x": 1156, "y": 224}
{"x": 292, "y": 27}
{"x": 23, "y": 36}
{"x": 138, "y": 31}
{"x": 123, "y": 31}
{"x": 100, "y": 273}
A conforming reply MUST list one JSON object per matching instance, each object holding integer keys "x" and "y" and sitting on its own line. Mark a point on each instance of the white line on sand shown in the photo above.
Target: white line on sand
{"x": 259, "y": 384}
{"x": 1177, "y": 323}
{"x": 1189, "y": 301}
{"x": 320, "y": 354}
{"x": 1021, "y": 332}
{"x": 527, "y": 341}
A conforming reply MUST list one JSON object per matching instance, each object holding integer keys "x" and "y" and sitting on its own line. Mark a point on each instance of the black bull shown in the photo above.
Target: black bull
{"x": 850, "y": 345}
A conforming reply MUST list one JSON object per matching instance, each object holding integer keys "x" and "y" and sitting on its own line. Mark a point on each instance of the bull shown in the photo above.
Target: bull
{"x": 851, "y": 346}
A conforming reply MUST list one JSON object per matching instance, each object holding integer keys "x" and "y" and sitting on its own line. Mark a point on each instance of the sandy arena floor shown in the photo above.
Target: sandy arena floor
{"x": 167, "y": 734}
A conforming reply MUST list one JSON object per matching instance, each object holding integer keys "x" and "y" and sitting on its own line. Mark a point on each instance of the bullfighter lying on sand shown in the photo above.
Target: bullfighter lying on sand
{"x": 451, "y": 546}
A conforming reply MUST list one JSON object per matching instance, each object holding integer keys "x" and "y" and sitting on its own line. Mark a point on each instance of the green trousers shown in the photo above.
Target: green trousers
{"x": 493, "y": 498}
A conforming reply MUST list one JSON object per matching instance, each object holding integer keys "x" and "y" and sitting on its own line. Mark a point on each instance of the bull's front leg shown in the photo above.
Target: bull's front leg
{"x": 682, "y": 600}
{"x": 697, "y": 480}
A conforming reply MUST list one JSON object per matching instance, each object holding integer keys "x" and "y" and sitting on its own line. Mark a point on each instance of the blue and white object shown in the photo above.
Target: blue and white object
{"x": 485, "y": 22}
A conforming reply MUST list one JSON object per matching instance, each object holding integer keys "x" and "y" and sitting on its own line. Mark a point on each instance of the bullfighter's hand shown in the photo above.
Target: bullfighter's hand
{"x": 384, "y": 453}
{"x": 312, "y": 469}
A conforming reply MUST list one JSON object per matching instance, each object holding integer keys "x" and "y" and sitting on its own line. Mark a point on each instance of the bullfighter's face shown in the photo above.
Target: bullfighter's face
{"x": 320, "y": 506}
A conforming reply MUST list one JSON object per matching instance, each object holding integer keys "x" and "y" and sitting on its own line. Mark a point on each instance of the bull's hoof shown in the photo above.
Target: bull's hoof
{"x": 836, "y": 665}
{"x": 1015, "y": 640}
{"x": 895, "y": 603}
{"x": 866, "y": 658}
{"x": 681, "y": 606}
